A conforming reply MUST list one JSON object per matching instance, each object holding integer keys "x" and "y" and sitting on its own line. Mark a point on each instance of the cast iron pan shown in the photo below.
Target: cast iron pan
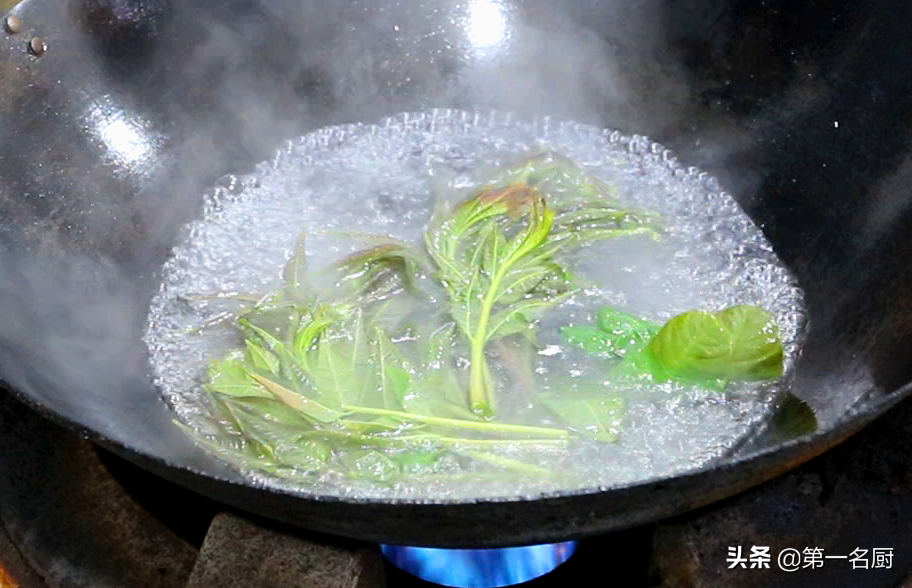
{"x": 111, "y": 128}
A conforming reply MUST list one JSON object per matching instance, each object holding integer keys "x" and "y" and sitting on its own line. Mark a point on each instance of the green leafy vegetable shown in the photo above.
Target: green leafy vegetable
{"x": 372, "y": 464}
{"x": 230, "y": 377}
{"x": 592, "y": 339}
{"x": 295, "y": 273}
{"x": 418, "y": 359}
{"x": 297, "y": 401}
{"x": 738, "y": 343}
{"x": 618, "y": 333}
{"x": 629, "y": 333}
{"x": 597, "y": 416}
{"x": 309, "y": 455}
{"x": 485, "y": 273}
{"x": 497, "y": 257}
{"x": 261, "y": 359}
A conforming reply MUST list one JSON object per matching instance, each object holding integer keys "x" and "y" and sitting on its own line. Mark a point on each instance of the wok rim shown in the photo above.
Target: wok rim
{"x": 854, "y": 421}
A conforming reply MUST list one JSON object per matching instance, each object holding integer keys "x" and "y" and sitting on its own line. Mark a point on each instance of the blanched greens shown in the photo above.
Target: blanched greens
{"x": 740, "y": 343}
{"x": 497, "y": 254}
{"x": 414, "y": 359}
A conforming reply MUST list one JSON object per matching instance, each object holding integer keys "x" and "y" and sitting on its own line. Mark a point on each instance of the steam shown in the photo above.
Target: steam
{"x": 226, "y": 86}
{"x": 366, "y": 60}
{"x": 249, "y": 77}
{"x": 70, "y": 340}
{"x": 614, "y": 74}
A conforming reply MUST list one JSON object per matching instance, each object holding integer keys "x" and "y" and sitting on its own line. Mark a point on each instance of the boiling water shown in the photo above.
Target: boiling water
{"x": 375, "y": 178}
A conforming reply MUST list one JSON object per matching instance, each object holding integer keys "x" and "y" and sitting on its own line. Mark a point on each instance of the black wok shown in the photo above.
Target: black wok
{"x": 109, "y": 137}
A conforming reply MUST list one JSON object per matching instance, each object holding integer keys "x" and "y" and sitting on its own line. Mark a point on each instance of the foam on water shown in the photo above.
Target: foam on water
{"x": 375, "y": 178}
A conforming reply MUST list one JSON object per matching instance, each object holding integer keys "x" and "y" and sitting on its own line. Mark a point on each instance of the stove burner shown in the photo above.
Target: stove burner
{"x": 479, "y": 568}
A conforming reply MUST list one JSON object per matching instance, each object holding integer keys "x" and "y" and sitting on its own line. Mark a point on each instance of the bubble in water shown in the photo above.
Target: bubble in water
{"x": 377, "y": 178}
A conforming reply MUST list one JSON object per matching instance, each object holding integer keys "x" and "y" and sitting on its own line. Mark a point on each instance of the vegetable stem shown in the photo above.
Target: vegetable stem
{"x": 479, "y": 395}
{"x": 398, "y": 441}
{"x": 539, "y": 226}
{"x": 506, "y": 462}
{"x": 494, "y": 442}
{"x": 445, "y": 422}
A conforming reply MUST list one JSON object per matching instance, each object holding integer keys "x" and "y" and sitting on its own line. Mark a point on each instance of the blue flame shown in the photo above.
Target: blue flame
{"x": 479, "y": 568}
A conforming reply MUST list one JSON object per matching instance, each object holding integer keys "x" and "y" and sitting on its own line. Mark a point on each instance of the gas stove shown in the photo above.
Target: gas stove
{"x": 76, "y": 516}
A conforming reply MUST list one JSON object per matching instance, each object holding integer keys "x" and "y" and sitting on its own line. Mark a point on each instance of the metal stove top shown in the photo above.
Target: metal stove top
{"x": 74, "y": 516}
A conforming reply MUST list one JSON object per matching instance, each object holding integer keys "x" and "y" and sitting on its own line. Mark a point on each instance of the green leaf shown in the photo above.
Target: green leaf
{"x": 624, "y": 324}
{"x": 382, "y": 269}
{"x": 227, "y": 448}
{"x": 417, "y": 461}
{"x": 295, "y": 273}
{"x": 581, "y": 200}
{"x": 306, "y": 455}
{"x": 332, "y": 372}
{"x": 393, "y": 314}
{"x": 339, "y": 361}
{"x": 287, "y": 362}
{"x": 598, "y": 416}
{"x": 437, "y": 392}
{"x": 537, "y": 229}
{"x": 592, "y": 339}
{"x": 371, "y": 464}
{"x": 493, "y": 246}
{"x": 399, "y": 381}
{"x": 594, "y": 222}
{"x": 395, "y": 377}
{"x": 519, "y": 282}
{"x": 439, "y": 344}
{"x": 465, "y": 312}
{"x": 560, "y": 279}
{"x": 310, "y": 328}
{"x": 261, "y": 359}
{"x": 378, "y": 425}
{"x": 516, "y": 319}
{"x": 274, "y": 316}
{"x": 335, "y": 355}
{"x": 272, "y": 411}
{"x": 299, "y": 402}
{"x": 491, "y": 279}
{"x": 360, "y": 360}
{"x": 474, "y": 257}
{"x": 642, "y": 366}
{"x": 438, "y": 383}
{"x": 231, "y": 378}
{"x": 260, "y": 435}
{"x": 740, "y": 343}
{"x": 619, "y": 333}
